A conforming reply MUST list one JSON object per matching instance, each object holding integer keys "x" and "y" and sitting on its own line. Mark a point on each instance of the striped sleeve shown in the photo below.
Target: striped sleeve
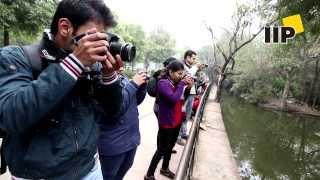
{"x": 72, "y": 66}
{"x": 109, "y": 78}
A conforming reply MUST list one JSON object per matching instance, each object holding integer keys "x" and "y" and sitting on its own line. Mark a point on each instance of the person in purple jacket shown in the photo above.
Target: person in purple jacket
{"x": 119, "y": 139}
{"x": 170, "y": 89}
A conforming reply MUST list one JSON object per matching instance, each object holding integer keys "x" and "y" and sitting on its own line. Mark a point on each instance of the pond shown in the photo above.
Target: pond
{"x": 272, "y": 145}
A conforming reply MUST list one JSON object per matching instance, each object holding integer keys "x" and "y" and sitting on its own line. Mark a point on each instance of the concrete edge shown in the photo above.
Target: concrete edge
{"x": 214, "y": 158}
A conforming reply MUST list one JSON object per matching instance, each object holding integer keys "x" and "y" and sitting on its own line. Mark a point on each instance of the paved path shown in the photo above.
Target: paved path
{"x": 149, "y": 129}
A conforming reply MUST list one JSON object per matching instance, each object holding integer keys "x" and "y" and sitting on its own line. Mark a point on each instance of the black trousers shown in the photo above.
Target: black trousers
{"x": 166, "y": 140}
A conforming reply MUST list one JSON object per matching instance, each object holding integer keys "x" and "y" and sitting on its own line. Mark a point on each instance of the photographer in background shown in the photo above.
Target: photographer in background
{"x": 152, "y": 84}
{"x": 49, "y": 115}
{"x": 191, "y": 67}
{"x": 171, "y": 89}
{"x": 118, "y": 141}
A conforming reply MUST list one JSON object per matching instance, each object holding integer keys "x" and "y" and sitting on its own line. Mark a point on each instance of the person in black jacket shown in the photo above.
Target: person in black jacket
{"x": 50, "y": 118}
{"x": 118, "y": 142}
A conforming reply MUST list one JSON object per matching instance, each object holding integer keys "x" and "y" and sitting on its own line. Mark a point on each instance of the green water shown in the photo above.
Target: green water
{"x": 272, "y": 145}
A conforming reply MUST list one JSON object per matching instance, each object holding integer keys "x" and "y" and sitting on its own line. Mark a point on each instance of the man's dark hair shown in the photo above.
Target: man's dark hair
{"x": 189, "y": 53}
{"x": 175, "y": 66}
{"x": 167, "y": 61}
{"x": 79, "y": 12}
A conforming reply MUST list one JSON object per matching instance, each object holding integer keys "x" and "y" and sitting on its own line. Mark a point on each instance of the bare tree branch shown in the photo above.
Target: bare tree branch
{"x": 226, "y": 31}
{"x": 232, "y": 74}
{"x": 214, "y": 55}
{"x": 235, "y": 33}
{"x": 250, "y": 39}
{"x": 233, "y": 63}
{"x": 221, "y": 51}
{"x": 214, "y": 43}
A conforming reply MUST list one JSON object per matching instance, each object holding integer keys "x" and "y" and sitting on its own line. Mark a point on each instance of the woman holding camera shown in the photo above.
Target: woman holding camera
{"x": 170, "y": 91}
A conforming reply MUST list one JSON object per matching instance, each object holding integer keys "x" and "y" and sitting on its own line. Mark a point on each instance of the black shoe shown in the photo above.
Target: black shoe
{"x": 146, "y": 177}
{"x": 167, "y": 173}
{"x": 173, "y": 151}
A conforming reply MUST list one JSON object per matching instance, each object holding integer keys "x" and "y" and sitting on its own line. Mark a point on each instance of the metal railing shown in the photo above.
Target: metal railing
{"x": 186, "y": 163}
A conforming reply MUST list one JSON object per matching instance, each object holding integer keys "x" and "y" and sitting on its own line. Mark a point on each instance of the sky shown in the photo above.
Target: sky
{"x": 183, "y": 19}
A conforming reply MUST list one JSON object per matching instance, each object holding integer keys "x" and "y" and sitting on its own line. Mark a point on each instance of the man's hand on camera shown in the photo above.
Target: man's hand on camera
{"x": 189, "y": 81}
{"x": 140, "y": 78}
{"x": 111, "y": 64}
{"x": 201, "y": 66}
{"x": 91, "y": 48}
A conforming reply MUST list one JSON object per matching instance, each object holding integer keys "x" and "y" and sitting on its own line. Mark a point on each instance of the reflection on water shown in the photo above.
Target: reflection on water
{"x": 272, "y": 145}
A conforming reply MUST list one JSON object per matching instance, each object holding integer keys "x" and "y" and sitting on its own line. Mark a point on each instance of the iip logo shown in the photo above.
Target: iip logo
{"x": 292, "y": 25}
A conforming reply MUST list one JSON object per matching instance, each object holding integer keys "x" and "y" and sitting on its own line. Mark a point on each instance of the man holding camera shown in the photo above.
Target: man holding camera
{"x": 49, "y": 115}
{"x": 192, "y": 67}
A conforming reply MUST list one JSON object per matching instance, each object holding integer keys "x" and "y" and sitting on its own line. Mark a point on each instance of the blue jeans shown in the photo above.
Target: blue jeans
{"x": 115, "y": 167}
{"x": 188, "y": 105}
{"x": 94, "y": 174}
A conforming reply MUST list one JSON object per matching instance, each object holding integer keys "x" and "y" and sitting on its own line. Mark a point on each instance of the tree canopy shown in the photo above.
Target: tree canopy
{"x": 24, "y": 19}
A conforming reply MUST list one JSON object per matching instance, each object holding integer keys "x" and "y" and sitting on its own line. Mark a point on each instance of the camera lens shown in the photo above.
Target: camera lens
{"x": 126, "y": 51}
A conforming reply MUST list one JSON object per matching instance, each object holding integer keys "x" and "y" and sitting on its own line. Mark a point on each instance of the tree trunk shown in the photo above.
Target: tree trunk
{"x": 219, "y": 87}
{"x": 304, "y": 96}
{"x": 304, "y": 81}
{"x": 6, "y": 38}
{"x": 304, "y": 90}
{"x": 316, "y": 100}
{"x": 285, "y": 92}
{"x": 314, "y": 85}
{"x": 221, "y": 78}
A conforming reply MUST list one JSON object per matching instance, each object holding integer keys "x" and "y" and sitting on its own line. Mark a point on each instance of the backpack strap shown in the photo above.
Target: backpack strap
{"x": 33, "y": 55}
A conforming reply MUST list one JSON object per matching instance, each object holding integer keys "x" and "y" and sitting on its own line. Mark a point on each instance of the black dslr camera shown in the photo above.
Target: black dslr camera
{"x": 126, "y": 51}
